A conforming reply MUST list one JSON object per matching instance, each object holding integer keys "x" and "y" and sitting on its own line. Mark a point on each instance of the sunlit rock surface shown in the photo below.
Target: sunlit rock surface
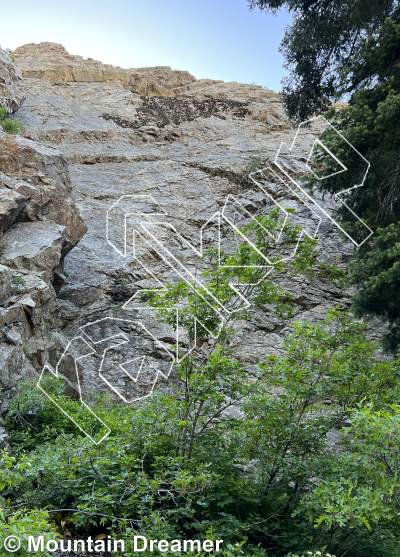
{"x": 94, "y": 133}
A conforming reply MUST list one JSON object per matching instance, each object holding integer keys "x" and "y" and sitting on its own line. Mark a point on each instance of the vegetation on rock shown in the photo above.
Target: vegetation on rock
{"x": 9, "y": 125}
{"x": 301, "y": 455}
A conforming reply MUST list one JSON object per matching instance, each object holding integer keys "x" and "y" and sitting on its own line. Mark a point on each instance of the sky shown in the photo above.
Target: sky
{"x": 217, "y": 39}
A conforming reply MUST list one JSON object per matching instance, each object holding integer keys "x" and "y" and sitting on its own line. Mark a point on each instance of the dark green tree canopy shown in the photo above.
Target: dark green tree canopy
{"x": 321, "y": 48}
{"x": 371, "y": 123}
{"x": 350, "y": 49}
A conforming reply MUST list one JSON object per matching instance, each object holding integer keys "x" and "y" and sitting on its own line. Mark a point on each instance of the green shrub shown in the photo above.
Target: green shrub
{"x": 253, "y": 165}
{"x": 18, "y": 280}
{"x": 9, "y": 125}
{"x": 266, "y": 481}
{"x": 163, "y": 472}
{"x": 9, "y": 53}
{"x": 24, "y": 523}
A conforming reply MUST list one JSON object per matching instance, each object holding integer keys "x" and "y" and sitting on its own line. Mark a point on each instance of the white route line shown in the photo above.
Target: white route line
{"x": 148, "y": 222}
{"x": 344, "y": 168}
{"x": 125, "y": 341}
{"x": 57, "y": 374}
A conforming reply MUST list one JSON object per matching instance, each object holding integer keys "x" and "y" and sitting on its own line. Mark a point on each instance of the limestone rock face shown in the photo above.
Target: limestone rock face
{"x": 4, "y": 439}
{"x": 40, "y": 174}
{"x": 53, "y": 64}
{"x": 35, "y": 202}
{"x": 94, "y": 133}
{"x": 11, "y": 84}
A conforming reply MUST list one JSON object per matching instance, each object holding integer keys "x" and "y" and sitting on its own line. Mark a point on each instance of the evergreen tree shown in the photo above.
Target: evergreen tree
{"x": 351, "y": 49}
{"x": 322, "y": 45}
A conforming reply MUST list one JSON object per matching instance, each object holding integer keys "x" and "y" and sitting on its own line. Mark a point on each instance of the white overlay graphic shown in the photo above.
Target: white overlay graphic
{"x": 137, "y": 225}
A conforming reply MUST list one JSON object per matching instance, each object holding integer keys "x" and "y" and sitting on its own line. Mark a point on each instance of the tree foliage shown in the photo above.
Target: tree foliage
{"x": 263, "y": 460}
{"x": 322, "y": 45}
{"x": 268, "y": 479}
{"x": 353, "y": 48}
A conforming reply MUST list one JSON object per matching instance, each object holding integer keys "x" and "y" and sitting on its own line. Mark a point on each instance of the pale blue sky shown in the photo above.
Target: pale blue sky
{"x": 219, "y": 39}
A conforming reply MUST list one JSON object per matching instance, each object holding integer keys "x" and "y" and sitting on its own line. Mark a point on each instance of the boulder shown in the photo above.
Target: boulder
{"x": 11, "y": 204}
{"x": 41, "y": 175}
{"x": 34, "y": 246}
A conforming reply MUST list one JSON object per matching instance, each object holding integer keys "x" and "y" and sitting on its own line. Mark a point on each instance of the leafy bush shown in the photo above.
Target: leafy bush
{"x": 24, "y": 523}
{"x": 9, "y": 125}
{"x": 265, "y": 479}
{"x": 176, "y": 468}
{"x": 18, "y": 280}
{"x": 21, "y": 523}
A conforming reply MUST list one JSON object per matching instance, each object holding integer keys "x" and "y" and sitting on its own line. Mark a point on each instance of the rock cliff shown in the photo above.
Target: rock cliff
{"x": 94, "y": 133}
{"x": 11, "y": 84}
{"x": 52, "y": 63}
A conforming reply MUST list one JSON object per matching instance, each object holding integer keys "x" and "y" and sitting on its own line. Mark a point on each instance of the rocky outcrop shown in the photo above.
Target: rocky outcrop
{"x": 39, "y": 225}
{"x": 40, "y": 174}
{"x": 11, "y": 205}
{"x": 52, "y": 63}
{"x": 94, "y": 133}
{"x": 12, "y": 93}
{"x": 34, "y": 246}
